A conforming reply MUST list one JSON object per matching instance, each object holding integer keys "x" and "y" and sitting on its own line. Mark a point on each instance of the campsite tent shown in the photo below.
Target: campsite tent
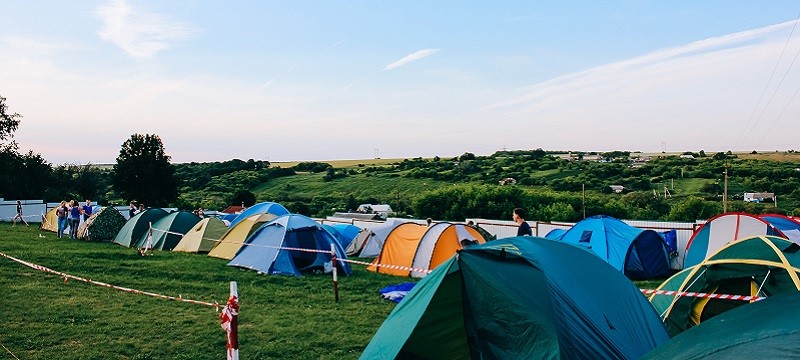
{"x": 440, "y": 243}
{"x": 50, "y": 221}
{"x": 757, "y": 266}
{"x": 723, "y": 229}
{"x": 421, "y": 247}
{"x": 380, "y": 231}
{"x": 520, "y": 298}
{"x": 232, "y": 240}
{"x": 399, "y": 249}
{"x": 789, "y": 227}
{"x": 767, "y": 329}
{"x": 260, "y": 208}
{"x": 640, "y": 254}
{"x": 344, "y": 233}
{"x": 203, "y": 236}
{"x": 358, "y": 242}
{"x": 103, "y": 225}
{"x": 138, "y": 226}
{"x": 169, "y": 230}
{"x": 555, "y": 234}
{"x": 262, "y": 250}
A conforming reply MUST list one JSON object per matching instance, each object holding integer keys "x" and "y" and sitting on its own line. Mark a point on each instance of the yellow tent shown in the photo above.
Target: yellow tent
{"x": 203, "y": 236}
{"x": 50, "y": 221}
{"x": 440, "y": 243}
{"x": 232, "y": 240}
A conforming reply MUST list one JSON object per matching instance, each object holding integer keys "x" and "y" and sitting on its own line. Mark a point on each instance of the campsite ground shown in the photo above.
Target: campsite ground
{"x": 281, "y": 317}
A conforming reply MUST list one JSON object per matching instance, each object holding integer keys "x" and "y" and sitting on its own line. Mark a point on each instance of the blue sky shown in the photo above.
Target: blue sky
{"x": 300, "y": 80}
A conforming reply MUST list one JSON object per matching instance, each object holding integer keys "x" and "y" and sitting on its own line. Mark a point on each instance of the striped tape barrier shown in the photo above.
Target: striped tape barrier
{"x": 99, "y": 283}
{"x": 386, "y": 266}
{"x": 702, "y": 295}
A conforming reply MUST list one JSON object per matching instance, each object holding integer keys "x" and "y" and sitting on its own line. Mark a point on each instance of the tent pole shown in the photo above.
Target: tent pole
{"x": 762, "y": 282}
{"x": 335, "y": 277}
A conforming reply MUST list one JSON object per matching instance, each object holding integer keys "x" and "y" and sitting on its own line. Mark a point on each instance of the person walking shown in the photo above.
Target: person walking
{"x": 61, "y": 215}
{"x": 19, "y": 215}
{"x": 524, "y": 228}
{"x": 74, "y": 218}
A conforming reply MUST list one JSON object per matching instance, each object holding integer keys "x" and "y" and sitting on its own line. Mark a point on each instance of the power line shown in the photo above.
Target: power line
{"x": 742, "y": 136}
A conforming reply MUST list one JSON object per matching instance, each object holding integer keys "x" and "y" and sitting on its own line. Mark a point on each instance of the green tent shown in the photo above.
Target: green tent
{"x": 102, "y": 225}
{"x": 757, "y": 266}
{"x": 169, "y": 230}
{"x": 520, "y": 298}
{"x": 767, "y": 329}
{"x": 203, "y": 236}
{"x": 137, "y": 226}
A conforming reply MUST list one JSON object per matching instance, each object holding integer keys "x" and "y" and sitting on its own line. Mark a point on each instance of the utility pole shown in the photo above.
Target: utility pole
{"x": 583, "y": 199}
{"x": 725, "y": 191}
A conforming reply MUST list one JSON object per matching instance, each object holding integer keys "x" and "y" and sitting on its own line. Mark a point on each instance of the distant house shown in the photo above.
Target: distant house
{"x": 508, "y": 181}
{"x": 592, "y": 158}
{"x": 687, "y": 156}
{"x": 356, "y": 216}
{"x": 758, "y": 197}
{"x": 233, "y": 209}
{"x": 383, "y": 210}
{"x": 617, "y": 188}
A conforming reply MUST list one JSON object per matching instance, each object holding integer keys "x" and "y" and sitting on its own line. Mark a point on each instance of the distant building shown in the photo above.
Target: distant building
{"x": 356, "y": 216}
{"x": 508, "y": 181}
{"x": 758, "y": 197}
{"x": 617, "y": 188}
{"x": 383, "y": 210}
{"x": 687, "y": 156}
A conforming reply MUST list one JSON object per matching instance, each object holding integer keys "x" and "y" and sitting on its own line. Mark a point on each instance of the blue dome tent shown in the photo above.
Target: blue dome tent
{"x": 263, "y": 250}
{"x": 639, "y": 254}
{"x": 260, "y": 208}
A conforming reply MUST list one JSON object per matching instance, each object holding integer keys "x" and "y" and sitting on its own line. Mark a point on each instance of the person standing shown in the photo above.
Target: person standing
{"x": 131, "y": 210}
{"x": 141, "y": 208}
{"x": 19, "y": 215}
{"x": 61, "y": 215}
{"x": 74, "y": 218}
{"x": 86, "y": 210}
{"x": 201, "y": 213}
{"x": 524, "y": 228}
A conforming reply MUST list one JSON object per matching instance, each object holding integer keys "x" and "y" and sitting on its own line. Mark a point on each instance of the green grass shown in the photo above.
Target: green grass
{"x": 359, "y": 185}
{"x": 281, "y": 317}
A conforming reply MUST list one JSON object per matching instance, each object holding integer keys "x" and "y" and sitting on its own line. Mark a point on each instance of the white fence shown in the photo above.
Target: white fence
{"x": 32, "y": 210}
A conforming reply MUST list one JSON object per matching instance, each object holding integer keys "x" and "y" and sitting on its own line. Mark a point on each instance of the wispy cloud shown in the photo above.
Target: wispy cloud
{"x": 139, "y": 33}
{"x": 411, "y": 58}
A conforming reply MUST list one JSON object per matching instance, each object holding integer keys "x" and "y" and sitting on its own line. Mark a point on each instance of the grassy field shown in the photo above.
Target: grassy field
{"x": 281, "y": 317}
{"x": 379, "y": 185}
{"x": 341, "y": 163}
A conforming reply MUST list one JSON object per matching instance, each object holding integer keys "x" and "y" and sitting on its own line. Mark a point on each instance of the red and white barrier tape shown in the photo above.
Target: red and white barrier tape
{"x": 386, "y": 266}
{"x": 702, "y": 295}
{"x": 93, "y": 282}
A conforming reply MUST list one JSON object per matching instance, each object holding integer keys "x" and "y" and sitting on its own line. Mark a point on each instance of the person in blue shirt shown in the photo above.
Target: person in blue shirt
{"x": 86, "y": 210}
{"x": 74, "y": 218}
{"x": 519, "y": 218}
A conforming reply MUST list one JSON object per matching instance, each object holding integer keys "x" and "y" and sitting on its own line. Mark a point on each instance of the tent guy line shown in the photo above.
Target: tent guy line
{"x": 66, "y": 276}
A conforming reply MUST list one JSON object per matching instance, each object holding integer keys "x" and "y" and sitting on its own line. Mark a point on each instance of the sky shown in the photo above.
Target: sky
{"x": 326, "y": 80}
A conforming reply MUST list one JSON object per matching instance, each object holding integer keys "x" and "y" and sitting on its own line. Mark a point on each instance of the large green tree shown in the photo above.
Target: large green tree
{"x": 8, "y": 124}
{"x": 143, "y": 172}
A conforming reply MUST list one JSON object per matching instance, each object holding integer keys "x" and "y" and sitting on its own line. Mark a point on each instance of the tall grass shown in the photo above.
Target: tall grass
{"x": 41, "y": 317}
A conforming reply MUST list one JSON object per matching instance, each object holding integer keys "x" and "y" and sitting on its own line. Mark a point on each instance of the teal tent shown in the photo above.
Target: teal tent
{"x": 168, "y": 231}
{"x": 520, "y": 298}
{"x": 137, "y": 226}
{"x": 767, "y": 329}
